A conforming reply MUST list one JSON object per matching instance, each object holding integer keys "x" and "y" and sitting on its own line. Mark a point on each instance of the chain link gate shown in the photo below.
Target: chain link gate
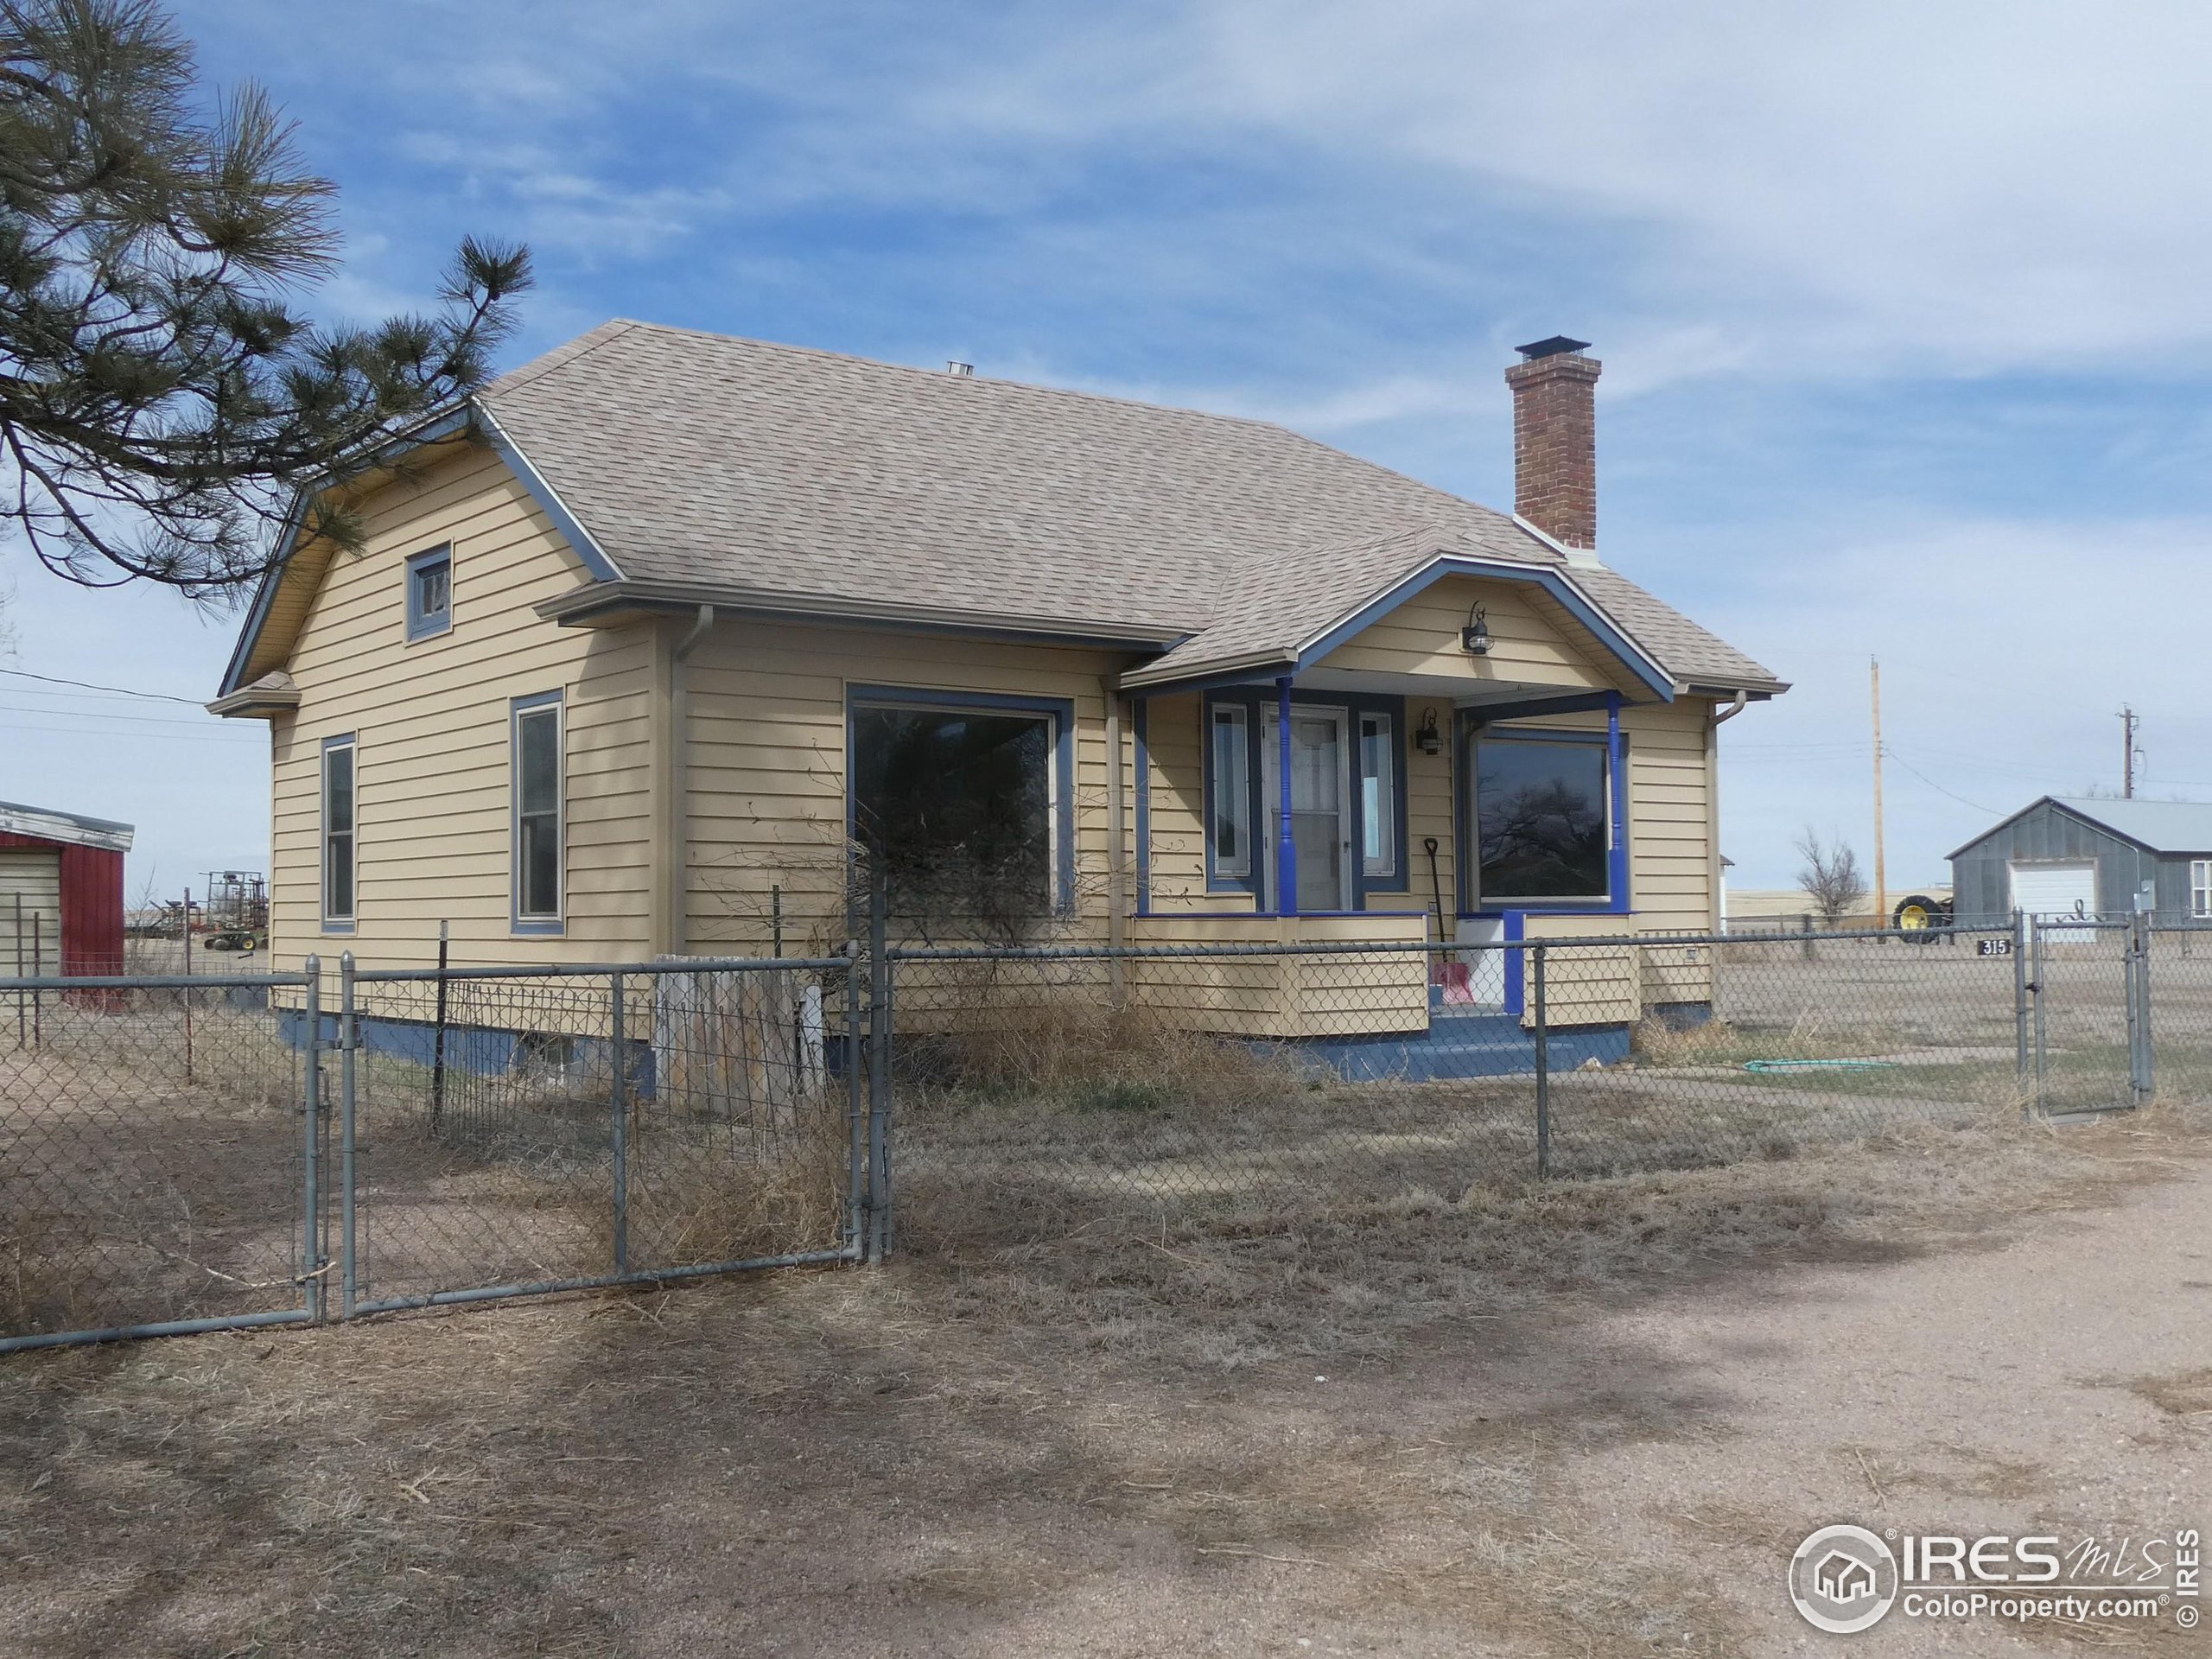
{"x": 2090, "y": 983}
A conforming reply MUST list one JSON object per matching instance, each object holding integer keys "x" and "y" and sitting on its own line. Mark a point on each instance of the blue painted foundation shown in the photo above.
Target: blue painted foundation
{"x": 477, "y": 1051}
{"x": 1464, "y": 1043}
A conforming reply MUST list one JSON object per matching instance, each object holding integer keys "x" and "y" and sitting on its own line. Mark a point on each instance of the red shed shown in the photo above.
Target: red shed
{"x": 60, "y": 889}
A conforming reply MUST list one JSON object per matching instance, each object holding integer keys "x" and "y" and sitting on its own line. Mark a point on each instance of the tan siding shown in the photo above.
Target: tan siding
{"x": 431, "y": 718}
{"x": 766, "y": 801}
{"x": 1532, "y": 641}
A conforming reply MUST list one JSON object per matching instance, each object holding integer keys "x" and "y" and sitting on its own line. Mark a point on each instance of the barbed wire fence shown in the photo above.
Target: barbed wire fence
{"x": 189, "y": 1153}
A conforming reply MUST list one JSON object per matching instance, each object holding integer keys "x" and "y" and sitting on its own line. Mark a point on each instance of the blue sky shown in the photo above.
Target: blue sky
{"x": 1905, "y": 319}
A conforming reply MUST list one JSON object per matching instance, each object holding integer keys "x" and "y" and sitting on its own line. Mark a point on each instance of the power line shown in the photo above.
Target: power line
{"x": 1933, "y": 784}
{"x": 166, "y": 737}
{"x": 158, "y": 696}
{"x": 103, "y": 713}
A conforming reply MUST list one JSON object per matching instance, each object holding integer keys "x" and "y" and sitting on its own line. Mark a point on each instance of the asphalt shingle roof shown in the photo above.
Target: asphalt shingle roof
{"x": 710, "y": 461}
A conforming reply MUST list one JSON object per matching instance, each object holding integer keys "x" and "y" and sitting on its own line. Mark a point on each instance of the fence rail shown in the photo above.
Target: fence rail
{"x": 199, "y": 1151}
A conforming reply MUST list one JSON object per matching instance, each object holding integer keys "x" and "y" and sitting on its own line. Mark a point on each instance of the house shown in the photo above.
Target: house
{"x": 1843, "y": 1578}
{"x": 646, "y": 636}
{"x": 61, "y": 891}
{"x": 2068, "y": 855}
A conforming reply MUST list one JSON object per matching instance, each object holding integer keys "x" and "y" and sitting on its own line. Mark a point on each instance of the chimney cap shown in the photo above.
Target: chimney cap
{"x": 1552, "y": 347}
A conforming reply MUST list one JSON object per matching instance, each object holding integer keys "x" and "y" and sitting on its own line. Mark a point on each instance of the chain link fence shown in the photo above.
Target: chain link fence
{"x": 152, "y": 1133}
{"x": 185, "y": 1154}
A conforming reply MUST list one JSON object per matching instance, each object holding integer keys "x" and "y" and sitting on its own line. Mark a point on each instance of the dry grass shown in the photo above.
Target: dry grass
{"x": 972, "y": 1451}
{"x": 1810, "y": 1035}
{"x": 1308, "y": 1272}
{"x": 987, "y": 1029}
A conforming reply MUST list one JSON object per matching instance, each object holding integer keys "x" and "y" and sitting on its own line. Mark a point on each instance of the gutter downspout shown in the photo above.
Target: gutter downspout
{"x": 1716, "y": 873}
{"x": 679, "y": 788}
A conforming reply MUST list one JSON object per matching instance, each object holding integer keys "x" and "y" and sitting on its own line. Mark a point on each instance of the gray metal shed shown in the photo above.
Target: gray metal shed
{"x": 2100, "y": 852}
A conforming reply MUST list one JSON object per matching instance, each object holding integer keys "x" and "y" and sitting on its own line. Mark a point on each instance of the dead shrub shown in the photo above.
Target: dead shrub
{"x": 987, "y": 1030}
{"x": 738, "y": 1193}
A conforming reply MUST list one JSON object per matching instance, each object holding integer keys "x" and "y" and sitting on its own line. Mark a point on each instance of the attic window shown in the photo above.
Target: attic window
{"x": 429, "y": 592}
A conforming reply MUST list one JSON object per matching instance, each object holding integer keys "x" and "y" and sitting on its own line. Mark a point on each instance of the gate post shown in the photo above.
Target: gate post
{"x": 1543, "y": 1072}
{"x": 879, "y": 1070}
{"x": 2020, "y": 988}
{"x": 856, "y": 1106}
{"x": 2141, "y": 1082}
{"x": 348, "y": 1042}
{"x": 620, "y": 1105}
{"x": 2037, "y": 969}
{"x": 311, "y": 1133}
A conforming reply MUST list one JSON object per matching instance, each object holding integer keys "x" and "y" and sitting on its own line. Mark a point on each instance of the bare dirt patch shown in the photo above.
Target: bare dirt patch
{"x": 1514, "y": 1420}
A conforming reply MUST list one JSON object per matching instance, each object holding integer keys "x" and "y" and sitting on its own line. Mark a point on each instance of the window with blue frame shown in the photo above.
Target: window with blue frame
{"x": 337, "y": 837}
{"x": 1541, "y": 819}
{"x": 429, "y": 592}
{"x": 959, "y": 807}
{"x": 1230, "y": 790}
{"x": 538, "y": 852}
{"x": 1378, "y": 796}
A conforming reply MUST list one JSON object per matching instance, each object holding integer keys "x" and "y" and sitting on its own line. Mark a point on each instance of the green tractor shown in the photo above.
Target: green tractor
{"x": 1922, "y": 920}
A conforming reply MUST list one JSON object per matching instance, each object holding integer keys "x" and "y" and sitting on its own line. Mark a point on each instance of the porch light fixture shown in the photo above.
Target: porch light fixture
{"x": 1475, "y": 637}
{"x": 1430, "y": 740}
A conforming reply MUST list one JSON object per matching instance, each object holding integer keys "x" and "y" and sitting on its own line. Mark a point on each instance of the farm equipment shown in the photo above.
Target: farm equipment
{"x": 1921, "y": 919}
{"x": 236, "y": 915}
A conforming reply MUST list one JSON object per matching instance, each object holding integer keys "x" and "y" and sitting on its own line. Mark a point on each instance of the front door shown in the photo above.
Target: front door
{"x": 1321, "y": 790}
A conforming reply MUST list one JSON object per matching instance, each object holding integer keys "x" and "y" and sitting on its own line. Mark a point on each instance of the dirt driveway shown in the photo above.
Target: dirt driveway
{"x": 1590, "y": 1419}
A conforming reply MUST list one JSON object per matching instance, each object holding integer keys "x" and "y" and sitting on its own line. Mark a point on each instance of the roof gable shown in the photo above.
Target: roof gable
{"x": 2159, "y": 827}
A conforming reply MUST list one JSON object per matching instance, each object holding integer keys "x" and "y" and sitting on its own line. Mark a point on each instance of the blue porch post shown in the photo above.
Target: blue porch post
{"x": 1286, "y": 846}
{"x": 1617, "y": 841}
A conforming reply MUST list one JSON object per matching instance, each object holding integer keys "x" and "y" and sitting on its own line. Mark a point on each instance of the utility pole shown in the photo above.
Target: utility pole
{"x": 1881, "y": 871}
{"x": 2127, "y": 725}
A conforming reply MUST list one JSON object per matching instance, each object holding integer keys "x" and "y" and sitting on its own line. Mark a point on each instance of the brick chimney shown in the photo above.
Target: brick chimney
{"x": 1555, "y": 439}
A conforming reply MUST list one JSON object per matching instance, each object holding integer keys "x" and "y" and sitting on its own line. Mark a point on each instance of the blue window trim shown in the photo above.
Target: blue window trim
{"x": 420, "y": 626}
{"x": 1062, "y": 711}
{"x": 336, "y": 923}
{"x": 1253, "y": 700}
{"x": 518, "y": 923}
{"x": 1617, "y": 901}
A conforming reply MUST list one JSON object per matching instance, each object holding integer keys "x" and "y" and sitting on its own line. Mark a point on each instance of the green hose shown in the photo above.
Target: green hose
{"x": 1820, "y": 1065}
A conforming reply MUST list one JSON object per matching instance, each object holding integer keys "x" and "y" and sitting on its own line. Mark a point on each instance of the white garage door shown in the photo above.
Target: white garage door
{"x": 30, "y": 887}
{"x": 2051, "y": 890}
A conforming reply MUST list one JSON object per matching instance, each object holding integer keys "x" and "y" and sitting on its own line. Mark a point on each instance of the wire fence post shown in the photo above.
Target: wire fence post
{"x": 879, "y": 1130}
{"x": 311, "y": 1129}
{"x": 23, "y": 1002}
{"x": 617, "y": 1024}
{"x": 187, "y": 989}
{"x": 438, "y": 1039}
{"x": 348, "y": 1043}
{"x": 1543, "y": 1072}
{"x": 38, "y": 971}
{"x": 1805, "y": 927}
{"x": 2020, "y": 988}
